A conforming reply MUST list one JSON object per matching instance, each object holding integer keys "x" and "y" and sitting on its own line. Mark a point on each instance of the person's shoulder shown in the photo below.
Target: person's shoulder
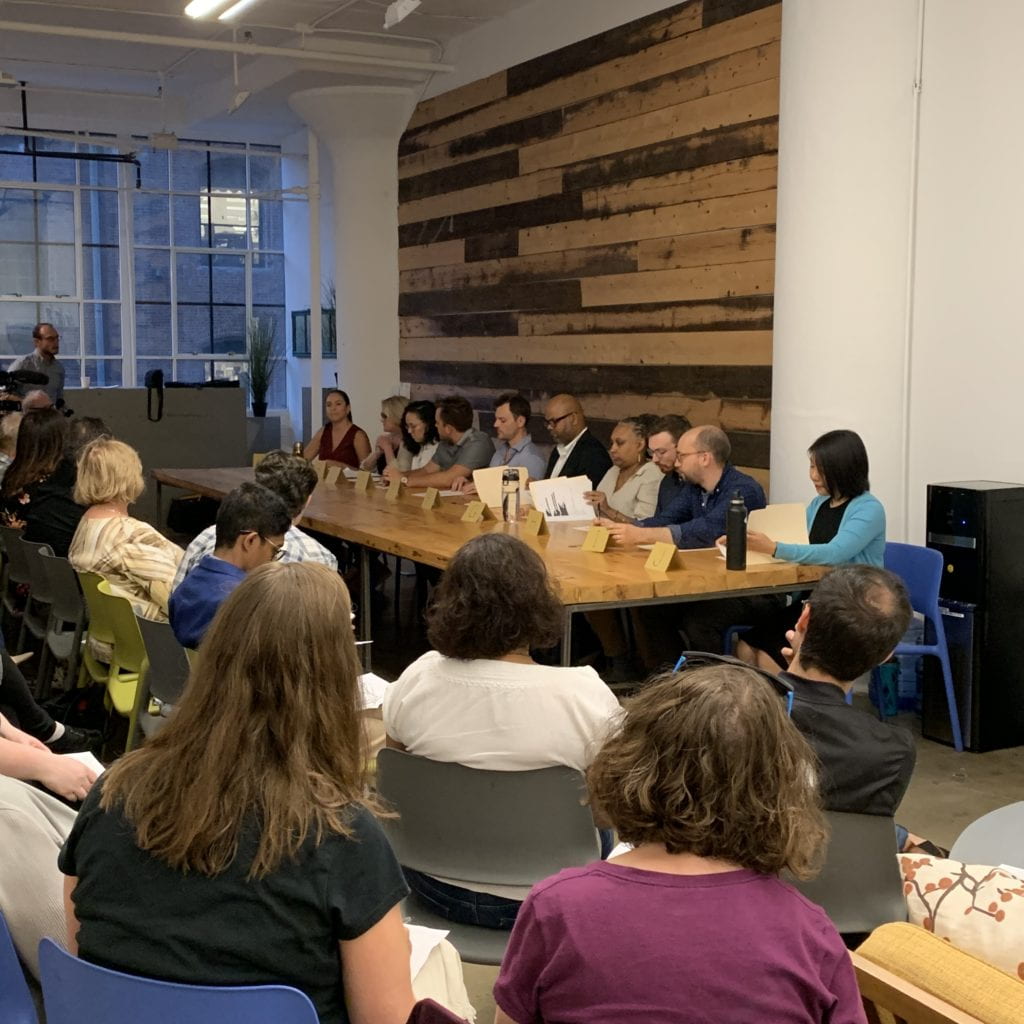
{"x": 567, "y": 886}
{"x": 650, "y": 471}
{"x": 424, "y": 667}
{"x": 868, "y": 504}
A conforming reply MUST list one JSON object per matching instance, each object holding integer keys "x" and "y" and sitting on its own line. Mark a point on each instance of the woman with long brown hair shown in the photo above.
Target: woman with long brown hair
{"x": 716, "y": 791}
{"x": 37, "y": 493}
{"x": 339, "y": 442}
{"x": 239, "y": 845}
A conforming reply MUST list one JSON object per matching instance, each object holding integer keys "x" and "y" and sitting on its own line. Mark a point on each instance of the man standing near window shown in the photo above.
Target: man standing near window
{"x": 43, "y": 360}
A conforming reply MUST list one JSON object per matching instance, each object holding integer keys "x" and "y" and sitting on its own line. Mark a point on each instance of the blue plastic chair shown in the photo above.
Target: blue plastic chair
{"x": 921, "y": 571}
{"x": 77, "y": 992}
{"x": 16, "y": 1006}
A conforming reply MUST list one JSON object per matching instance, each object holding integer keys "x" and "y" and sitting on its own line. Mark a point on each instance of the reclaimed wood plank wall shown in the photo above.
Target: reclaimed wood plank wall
{"x": 601, "y": 220}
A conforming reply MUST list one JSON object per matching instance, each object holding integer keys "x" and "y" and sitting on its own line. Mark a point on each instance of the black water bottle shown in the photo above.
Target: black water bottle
{"x": 736, "y": 533}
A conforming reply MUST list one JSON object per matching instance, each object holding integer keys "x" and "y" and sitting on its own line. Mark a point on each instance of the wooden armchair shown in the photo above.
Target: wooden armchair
{"x": 888, "y": 999}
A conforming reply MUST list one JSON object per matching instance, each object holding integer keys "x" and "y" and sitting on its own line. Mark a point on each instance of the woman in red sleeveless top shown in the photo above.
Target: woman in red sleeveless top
{"x": 339, "y": 441}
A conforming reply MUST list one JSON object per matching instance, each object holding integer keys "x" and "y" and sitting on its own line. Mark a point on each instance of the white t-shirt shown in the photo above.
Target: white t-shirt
{"x": 499, "y": 715}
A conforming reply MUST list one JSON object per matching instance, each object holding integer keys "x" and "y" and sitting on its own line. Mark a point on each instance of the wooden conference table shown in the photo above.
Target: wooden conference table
{"x": 585, "y": 581}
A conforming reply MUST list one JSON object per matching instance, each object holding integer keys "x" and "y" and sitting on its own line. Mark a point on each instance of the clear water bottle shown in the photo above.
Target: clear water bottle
{"x": 297, "y": 449}
{"x": 510, "y": 495}
{"x": 736, "y": 533}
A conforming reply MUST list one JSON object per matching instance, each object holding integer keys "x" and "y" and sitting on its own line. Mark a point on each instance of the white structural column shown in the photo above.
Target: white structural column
{"x": 845, "y": 245}
{"x": 360, "y": 126}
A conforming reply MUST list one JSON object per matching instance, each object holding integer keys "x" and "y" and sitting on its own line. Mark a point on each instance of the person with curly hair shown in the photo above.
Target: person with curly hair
{"x": 479, "y": 699}
{"x": 716, "y": 791}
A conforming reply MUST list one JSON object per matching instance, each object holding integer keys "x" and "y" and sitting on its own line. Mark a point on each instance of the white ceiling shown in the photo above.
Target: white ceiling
{"x": 172, "y": 85}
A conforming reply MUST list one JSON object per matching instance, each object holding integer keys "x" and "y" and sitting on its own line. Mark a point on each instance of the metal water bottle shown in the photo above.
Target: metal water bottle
{"x": 736, "y": 533}
{"x": 510, "y": 495}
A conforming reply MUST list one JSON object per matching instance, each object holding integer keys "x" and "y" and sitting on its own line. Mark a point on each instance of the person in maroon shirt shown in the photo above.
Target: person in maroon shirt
{"x": 339, "y": 442}
{"x": 715, "y": 789}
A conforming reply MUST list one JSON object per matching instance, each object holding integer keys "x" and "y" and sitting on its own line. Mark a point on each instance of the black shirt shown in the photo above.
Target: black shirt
{"x": 865, "y": 764}
{"x": 47, "y": 508}
{"x": 826, "y": 523}
{"x": 140, "y": 916}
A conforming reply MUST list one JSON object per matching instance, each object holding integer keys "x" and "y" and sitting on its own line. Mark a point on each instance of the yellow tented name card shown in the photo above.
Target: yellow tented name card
{"x": 596, "y": 539}
{"x": 536, "y": 523}
{"x": 664, "y": 556}
{"x": 331, "y": 475}
{"x": 431, "y": 499}
{"x": 395, "y": 490}
{"x": 476, "y": 512}
{"x": 363, "y": 480}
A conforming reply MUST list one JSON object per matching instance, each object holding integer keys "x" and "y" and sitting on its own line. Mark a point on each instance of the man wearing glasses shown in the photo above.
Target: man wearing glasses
{"x": 577, "y": 452}
{"x": 251, "y": 525}
{"x": 43, "y": 359}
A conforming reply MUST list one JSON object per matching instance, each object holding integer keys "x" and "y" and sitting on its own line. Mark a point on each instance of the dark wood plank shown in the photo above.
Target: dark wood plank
{"x": 498, "y": 246}
{"x": 514, "y": 133}
{"x": 496, "y": 167}
{"x": 717, "y": 11}
{"x": 560, "y": 295}
{"x": 462, "y": 325}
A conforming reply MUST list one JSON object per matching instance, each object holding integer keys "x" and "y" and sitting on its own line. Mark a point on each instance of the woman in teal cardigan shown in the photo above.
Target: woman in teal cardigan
{"x": 845, "y": 524}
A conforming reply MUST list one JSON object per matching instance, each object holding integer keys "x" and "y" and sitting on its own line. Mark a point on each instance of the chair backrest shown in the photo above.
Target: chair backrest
{"x": 882, "y": 990}
{"x": 860, "y": 886}
{"x": 921, "y": 570}
{"x": 40, "y": 582}
{"x": 16, "y": 1006}
{"x": 168, "y": 664}
{"x": 78, "y": 992}
{"x": 101, "y": 625}
{"x": 485, "y": 827}
{"x": 129, "y": 649}
{"x": 66, "y": 599}
{"x": 17, "y": 569}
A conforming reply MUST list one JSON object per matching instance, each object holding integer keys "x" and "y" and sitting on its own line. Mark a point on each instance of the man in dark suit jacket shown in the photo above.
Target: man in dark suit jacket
{"x": 577, "y": 452}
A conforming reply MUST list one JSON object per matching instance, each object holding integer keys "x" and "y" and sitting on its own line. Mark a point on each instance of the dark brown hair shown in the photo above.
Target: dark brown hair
{"x": 268, "y": 728}
{"x": 842, "y": 461}
{"x": 517, "y": 405}
{"x": 707, "y": 762}
{"x": 290, "y": 477}
{"x": 456, "y": 412}
{"x": 674, "y": 425}
{"x": 42, "y": 442}
{"x": 494, "y": 598}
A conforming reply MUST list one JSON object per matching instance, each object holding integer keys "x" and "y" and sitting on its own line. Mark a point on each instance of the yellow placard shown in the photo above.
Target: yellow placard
{"x": 596, "y": 539}
{"x": 536, "y": 523}
{"x": 332, "y": 475}
{"x": 664, "y": 556}
{"x": 395, "y": 490}
{"x": 363, "y": 480}
{"x": 476, "y": 512}
{"x": 432, "y": 499}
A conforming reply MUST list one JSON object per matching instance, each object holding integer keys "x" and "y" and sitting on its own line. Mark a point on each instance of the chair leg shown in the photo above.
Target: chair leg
{"x": 954, "y": 714}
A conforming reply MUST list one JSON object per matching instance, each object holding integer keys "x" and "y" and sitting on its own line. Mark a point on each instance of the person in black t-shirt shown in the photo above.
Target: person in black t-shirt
{"x": 239, "y": 845}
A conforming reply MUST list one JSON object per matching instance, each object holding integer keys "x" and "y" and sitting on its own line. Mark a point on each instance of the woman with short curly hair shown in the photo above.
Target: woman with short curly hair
{"x": 716, "y": 791}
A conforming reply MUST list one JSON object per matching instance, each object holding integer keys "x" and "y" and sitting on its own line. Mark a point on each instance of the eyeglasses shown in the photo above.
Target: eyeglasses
{"x": 682, "y": 455}
{"x": 278, "y": 550}
{"x": 558, "y": 419}
{"x": 49, "y": 337}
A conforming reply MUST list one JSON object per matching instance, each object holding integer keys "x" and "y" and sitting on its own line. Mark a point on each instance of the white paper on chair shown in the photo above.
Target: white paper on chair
{"x": 488, "y": 483}
{"x": 371, "y": 690}
{"x": 785, "y": 523}
{"x": 89, "y": 760}
{"x": 423, "y": 942}
{"x": 561, "y": 498}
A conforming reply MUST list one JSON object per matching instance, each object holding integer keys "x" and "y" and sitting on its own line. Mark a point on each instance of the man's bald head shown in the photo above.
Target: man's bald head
{"x": 564, "y": 417}
{"x": 36, "y": 400}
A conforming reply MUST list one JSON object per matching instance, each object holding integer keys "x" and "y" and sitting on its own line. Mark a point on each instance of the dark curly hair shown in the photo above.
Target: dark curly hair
{"x": 708, "y": 763}
{"x": 424, "y": 410}
{"x": 291, "y": 478}
{"x": 494, "y": 598}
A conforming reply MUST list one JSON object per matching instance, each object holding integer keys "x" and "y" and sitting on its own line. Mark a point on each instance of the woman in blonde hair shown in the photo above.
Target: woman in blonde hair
{"x": 387, "y": 449}
{"x": 239, "y": 845}
{"x": 715, "y": 789}
{"x": 137, "y": 561}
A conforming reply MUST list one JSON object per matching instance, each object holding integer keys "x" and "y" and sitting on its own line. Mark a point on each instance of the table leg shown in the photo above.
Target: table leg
{"x": 567, "y": 638}
{"x": 365, "y": 601}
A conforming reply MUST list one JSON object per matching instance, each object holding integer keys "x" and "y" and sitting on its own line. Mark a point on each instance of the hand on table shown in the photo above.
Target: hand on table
{"x": 463, "y": 484}
{"x": 621, "y": 533}
{"x": 760, "y": 542}
{"x": 391, "y": 473}
{"x": 67, "y": 777}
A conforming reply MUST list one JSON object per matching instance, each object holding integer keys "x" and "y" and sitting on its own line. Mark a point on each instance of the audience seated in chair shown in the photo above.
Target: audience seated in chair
{"x": 84, "y": 430}
{"x": 9, "y": 426}
{"x": 251, "y": 526}
{"x": 136, "y": 560}
{"x": 715, "y": 790}
{"x": 480, "y": 699}
{"x": 293, "y": 480}
{"x": 239, "y": 846}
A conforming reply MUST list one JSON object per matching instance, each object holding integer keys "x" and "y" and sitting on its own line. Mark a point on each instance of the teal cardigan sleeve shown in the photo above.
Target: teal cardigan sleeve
{"x": 860, "y": 539}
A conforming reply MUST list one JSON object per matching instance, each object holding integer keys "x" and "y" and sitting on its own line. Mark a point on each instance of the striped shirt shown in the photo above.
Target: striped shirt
{"x": 298, "y": 547}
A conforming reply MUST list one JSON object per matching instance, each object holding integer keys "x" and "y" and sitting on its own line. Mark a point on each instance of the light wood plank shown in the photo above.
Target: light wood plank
{"x": 734, "y": 245}
{"x": 680, "y": 285}
{"x": 455, "y": 101}
{"x": 440, "y": 253}
{"x": 684, "y": 219}
{"x": 737, "y": 106}
{"x": 687, "y": 348}
{"x": 712, "y": 181}
{"x": 480, "y": 197}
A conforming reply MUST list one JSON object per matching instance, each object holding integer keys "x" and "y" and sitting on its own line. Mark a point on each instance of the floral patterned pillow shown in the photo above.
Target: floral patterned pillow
{"x": 977, "y": 909}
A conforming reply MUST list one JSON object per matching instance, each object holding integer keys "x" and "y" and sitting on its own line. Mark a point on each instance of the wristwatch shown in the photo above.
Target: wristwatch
{"x": 405, "y": 480}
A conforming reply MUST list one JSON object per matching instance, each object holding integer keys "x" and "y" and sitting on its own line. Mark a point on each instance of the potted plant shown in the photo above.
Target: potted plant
{"x": 263, "y": 360}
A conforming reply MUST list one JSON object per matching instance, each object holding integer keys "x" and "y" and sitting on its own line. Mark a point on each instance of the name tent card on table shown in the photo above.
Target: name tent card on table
{"x": 332, "y": 476}
{"x": 596, "y": 539}
{"x": 664, "y": 556}
{"x": 395, "y": 490}
{"x": 536, "y": 524}
{"x": 477, "y": 512}
{"x": 431, "y": 499}
{"x": 363, "y": 480}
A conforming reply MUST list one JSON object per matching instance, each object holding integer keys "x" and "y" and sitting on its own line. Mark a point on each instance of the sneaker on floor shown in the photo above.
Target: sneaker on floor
{"x": 74, "y": 741}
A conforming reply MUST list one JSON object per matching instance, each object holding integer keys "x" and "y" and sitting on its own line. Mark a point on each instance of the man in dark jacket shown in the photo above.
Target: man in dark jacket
{"x": 577, "y": 452}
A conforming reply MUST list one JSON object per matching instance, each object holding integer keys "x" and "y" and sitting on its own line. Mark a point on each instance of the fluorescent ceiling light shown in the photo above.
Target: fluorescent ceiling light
{"x": 236, "y": 9}
{"x": 399, "y": 11}
{"x": 201, "y": 8}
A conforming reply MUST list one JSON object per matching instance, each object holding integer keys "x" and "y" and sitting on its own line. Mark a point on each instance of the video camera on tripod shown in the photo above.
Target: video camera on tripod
{"x": 12, "y": 381}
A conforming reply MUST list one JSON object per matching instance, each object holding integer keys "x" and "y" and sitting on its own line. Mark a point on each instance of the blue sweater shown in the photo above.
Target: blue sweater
{"x": 196, "y": 599}
{"x": 859, "y": 540}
